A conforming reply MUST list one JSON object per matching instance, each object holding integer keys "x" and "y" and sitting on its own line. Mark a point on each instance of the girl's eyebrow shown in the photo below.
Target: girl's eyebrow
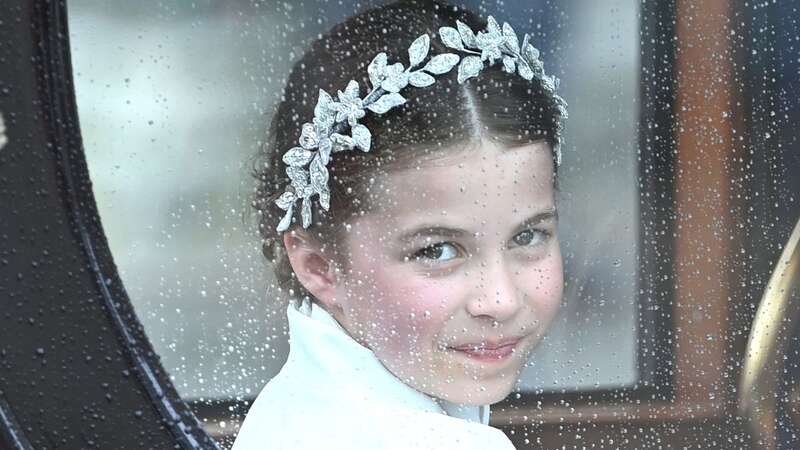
{"x": 432, "y": 230}
{"x": 539, "y": 217}
{"x": 423, "y": 231}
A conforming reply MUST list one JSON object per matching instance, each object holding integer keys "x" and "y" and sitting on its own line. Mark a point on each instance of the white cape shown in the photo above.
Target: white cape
{"x": 333, "y": 393}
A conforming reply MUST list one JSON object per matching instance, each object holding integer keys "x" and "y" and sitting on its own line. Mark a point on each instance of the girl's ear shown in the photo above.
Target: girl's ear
{"x": 314, "y": 269}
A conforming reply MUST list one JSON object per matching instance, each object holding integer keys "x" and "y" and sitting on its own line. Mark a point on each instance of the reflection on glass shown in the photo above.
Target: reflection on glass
{"x": 174, "y": 102}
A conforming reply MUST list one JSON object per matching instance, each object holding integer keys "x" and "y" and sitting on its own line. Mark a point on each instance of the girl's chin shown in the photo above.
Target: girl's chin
{"x": 487, "y": 391}
{"x": 479, "y": 397}
{"x": 476, "y": 378}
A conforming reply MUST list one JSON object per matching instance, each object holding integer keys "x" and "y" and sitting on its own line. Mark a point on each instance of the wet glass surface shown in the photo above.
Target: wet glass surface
{"x": 174, "y": 103}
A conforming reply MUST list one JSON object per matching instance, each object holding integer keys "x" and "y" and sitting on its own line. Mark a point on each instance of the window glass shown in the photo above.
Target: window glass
{"x": 171, "y": 102}
{"x": 174, "y": 101}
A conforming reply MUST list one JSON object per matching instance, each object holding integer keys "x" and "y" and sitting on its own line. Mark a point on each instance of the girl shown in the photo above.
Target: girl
{"x": 415, "y": 228}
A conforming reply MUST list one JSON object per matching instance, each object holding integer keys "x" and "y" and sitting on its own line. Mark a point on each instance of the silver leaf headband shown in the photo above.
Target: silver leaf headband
{"x": 306, "y": 164}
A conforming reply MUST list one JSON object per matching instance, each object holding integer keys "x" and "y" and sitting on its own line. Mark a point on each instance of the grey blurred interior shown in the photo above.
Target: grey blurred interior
{"x": 173, "y": 100}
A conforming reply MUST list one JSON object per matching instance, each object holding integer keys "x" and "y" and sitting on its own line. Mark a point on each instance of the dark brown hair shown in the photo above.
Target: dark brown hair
{"x": 496, "y": 105}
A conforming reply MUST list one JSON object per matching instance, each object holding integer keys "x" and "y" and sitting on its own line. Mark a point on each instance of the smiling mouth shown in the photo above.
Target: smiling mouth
{"x": 488, "y": 352}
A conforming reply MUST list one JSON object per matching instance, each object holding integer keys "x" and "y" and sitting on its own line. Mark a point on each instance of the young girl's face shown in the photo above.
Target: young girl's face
{"x": 454, "y": 279}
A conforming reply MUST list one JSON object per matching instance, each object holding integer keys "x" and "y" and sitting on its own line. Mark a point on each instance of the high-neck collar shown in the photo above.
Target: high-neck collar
{"x": 319, "y": 342}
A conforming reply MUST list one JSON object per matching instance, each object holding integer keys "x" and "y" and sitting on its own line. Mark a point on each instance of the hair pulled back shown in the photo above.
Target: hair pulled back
{"x": 447, "y": 115}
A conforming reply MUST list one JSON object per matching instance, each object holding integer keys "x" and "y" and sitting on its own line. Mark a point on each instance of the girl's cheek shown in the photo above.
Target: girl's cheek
{"x": 545, "y": 286}
{"x": 418, "y": 311}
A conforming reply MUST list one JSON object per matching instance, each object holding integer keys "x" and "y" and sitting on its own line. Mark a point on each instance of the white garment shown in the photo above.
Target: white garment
{"x": 334, "y": 393}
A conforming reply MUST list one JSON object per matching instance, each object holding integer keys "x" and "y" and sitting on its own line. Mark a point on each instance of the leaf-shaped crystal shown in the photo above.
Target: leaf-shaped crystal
{"x": 451, "y": 38}
{"x": 350, "y": 106}
{"x": 440, "y": 64}
{"x": 396, "y": 78}
{"x": 350, "y": 92}
{"x": 394, "y": 69}
{"x": 286, "y": 221}
{"x": 386, "y": 102}
{"x": 325, "y": 145}
{"x": 490, "y": 42}
{"x": 297, "y": 156}
{"x": 319, "y": 175}
{"x": 308, "y": 137}
{"x": 325, "y": 198}
{"x": 548, "y": 83}
{"x": 325, "y": 149}
{"x": 419, "y": 50}
{"x": 285, "y": 200}
{"x": 323, "y": 124}
{"x": 511, "y": 38}
{"x": 492, "y": 26}
{"x": 467, "y": 35}
{"x": 324, "y": 106}
{"x": 362, "y": 138}
{"x": 470, "y": 66}
{"x": 562, "y": 106}
{"x": 524, "y": 69}
{"x": 538, "y": 68}
{"x": 299, "y": 177}
{"x": 509, "y": 64}
{"x": 341, "y": 142}
{"x": 396, "y": 83}
{"x": 377, "y": 69}
{"x": 491, "y": 54}
{"x": 486, "y": 40}
{"x": 306, "y": 191}
{"x": 305, "y": 212}
{"x": 530, "y": 53}
{"x": 420, "y": 79}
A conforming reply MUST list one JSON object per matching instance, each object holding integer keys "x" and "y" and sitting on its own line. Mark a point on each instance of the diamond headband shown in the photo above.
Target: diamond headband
{"x": 306, "y": 164}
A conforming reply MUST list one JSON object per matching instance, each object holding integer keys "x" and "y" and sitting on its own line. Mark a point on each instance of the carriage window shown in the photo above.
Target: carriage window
{"x": 174, "y": 102}
{"x": 676, "y": 218}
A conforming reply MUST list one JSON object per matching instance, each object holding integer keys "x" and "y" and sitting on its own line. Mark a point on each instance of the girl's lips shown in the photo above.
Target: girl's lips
{"x": 487, "y": 353}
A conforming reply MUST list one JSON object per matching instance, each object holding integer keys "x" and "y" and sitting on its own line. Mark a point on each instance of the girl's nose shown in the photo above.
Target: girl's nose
{"x": 496, "y": 295}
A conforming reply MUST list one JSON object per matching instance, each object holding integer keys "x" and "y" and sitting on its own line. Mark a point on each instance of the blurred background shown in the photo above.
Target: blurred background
{"x": 174, "y": 100}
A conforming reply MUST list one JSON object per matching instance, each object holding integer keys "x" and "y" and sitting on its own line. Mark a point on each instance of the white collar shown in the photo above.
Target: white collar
{"x": 318, "y": 342}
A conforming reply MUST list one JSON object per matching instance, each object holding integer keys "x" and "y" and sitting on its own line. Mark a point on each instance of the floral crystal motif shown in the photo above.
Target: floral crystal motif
{"x": 307, "y": 164}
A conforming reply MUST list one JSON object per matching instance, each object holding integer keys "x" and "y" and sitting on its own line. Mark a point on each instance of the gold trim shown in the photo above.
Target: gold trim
{"x": 772, "y": 327}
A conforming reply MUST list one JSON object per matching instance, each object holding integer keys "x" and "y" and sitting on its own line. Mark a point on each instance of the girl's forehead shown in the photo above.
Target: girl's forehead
{"x": 487, "y": 171}
{"x": 470, "y": 188}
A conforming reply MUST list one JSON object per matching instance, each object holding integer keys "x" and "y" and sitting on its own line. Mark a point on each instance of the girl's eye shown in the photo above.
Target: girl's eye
{"x": 531, "y": 237}
{"x": 447, "y": 251}
{"x": 441, "y": 252}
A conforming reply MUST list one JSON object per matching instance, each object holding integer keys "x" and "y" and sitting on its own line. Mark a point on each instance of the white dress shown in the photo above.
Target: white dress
{"x": 333, "y": 393}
